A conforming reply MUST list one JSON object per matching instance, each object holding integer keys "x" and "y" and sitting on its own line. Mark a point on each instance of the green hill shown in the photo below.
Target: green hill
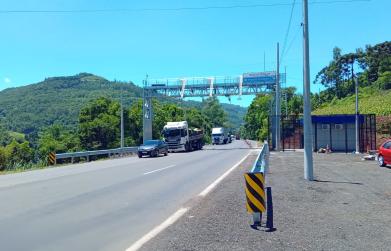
{"x": 29, "y": 108}
{"x": 371, "y": 100}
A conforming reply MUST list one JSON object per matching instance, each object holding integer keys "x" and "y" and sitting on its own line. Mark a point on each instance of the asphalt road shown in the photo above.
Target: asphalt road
{"x": 104, "y": 205}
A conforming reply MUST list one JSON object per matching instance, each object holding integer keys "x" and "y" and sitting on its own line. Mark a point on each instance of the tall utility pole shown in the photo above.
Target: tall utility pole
{"x": 278, "y": 101}
{"x": 122, "y": 122}
{"x": 308, "y": 160}
{"x": 357, "y": 119}
{"x": 286, "y": 97}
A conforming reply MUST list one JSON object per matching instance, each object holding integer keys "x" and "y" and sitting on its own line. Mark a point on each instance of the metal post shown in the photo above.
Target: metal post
{"x": 308, "y": 161}
{"x": 357, "y": 119}
{"x": 278, "y": 101}
{"x": 269, "y": 217}
{"x": 257, "y": 218}
{"x": 267, "y": 154}
{"x": 122, "y": 123}
{"x": 286, "y": 98}
{"x": 147, "y": 114}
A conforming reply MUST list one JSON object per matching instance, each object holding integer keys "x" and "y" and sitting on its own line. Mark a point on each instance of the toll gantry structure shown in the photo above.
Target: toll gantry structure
{"x": 246, "y": 84}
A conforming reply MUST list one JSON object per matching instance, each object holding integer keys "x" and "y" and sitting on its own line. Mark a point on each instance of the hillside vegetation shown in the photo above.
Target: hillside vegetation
{"x": 370, "y": 102}
{"x": 58, "y": 100}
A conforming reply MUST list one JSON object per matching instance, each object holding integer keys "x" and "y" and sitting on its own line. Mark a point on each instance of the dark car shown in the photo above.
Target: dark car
{"x": 153, "y": 148}
{"x": 384, "y": 155}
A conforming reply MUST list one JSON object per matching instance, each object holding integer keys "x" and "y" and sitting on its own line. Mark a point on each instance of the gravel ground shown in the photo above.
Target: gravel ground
{"x": 347, "y": 208}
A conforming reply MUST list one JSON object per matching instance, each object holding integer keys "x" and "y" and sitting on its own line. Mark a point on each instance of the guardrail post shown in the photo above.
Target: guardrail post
{"x": 267, "y": 154}
{"x": 255, "y": 186}
{"x": 257, "y": 218}
{"x": 88, "y": 158}
{"x": 72, "y": 160}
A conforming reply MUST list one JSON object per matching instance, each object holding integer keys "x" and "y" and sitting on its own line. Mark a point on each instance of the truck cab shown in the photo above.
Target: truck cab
{"x": 219, "y": 136}
{"x": 179, "y": 137}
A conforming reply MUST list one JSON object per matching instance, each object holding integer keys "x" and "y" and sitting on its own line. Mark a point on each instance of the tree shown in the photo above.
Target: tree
{"x": 196, "y": 119}
{"x": 57, "y": 138}
{"x": 3, "y": 160}
{"x": 99, "y": 124}
{"x": 370, "y": 66}
{"x": 213, "y": 110}
{"x": 18, "y": 153}
{"x": 295, "y": 105}
{"x": 134, "y": 125}
{"x": 5, "y": 137}
{"x": 256, "y": 119}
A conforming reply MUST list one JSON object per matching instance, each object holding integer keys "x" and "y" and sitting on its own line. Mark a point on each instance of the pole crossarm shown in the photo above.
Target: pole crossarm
{"x": 245, "y": 84}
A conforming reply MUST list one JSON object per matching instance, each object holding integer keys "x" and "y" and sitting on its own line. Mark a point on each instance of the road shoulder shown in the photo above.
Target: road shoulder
{"x": 344, "y": 210}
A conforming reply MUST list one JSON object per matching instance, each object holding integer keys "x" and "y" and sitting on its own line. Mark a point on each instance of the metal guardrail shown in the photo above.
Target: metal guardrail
{"x": 255, "y": 185}
{"x": 87, "y": 154}
{"x": 261, "y": 164}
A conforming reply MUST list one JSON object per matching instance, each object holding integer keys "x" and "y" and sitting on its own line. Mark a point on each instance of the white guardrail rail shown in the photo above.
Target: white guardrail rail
{"x": 87, "y": 154}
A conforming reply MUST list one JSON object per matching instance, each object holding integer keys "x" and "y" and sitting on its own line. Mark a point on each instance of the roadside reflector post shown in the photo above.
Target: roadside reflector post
{"x": 52, "y": 158}
{"x": 255, "y": 186}
{"x": 255, "y": 196}
{"x": 269, "y": 218}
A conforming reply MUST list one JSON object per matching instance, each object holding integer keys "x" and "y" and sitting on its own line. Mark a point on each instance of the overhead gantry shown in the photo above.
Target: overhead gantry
{"x": 246, "y": 84}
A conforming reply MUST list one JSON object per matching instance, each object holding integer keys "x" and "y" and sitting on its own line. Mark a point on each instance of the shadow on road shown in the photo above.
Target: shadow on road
{"x": 225, "y": 149}
{"x": 339, "y": 182}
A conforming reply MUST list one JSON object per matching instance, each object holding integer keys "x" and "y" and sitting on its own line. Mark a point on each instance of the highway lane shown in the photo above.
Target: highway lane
{"x": 104, "y": 205}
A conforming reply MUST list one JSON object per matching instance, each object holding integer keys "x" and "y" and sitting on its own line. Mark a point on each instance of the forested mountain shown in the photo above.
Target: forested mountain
{"x": 58, "y": 100}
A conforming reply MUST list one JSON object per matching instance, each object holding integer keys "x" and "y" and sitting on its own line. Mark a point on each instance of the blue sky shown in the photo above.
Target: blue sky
{"x": 213, "y": 42}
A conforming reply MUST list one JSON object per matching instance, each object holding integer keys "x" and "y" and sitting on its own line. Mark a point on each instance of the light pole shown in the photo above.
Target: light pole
{"x": 278, "y": 101}
{"x": 122, "y": 121}
{"x": 308, "y": 160}
{"x": 357, "y": 119}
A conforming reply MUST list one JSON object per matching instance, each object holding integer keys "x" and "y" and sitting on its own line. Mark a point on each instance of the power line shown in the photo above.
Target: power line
{"x": 174, "y": 9}
{"x": 287, "y": 31}
{"x": 293, "y": 40}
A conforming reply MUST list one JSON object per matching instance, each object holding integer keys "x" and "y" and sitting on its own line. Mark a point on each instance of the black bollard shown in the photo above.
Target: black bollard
{"x": 269, "y": 217}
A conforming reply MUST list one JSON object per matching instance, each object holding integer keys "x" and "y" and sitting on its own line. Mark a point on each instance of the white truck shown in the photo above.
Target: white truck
{"x": 179, "y": 137}
{"x": 219, "y": 136}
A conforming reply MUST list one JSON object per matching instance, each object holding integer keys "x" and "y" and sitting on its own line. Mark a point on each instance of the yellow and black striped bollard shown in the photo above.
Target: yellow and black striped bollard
{"x": 52, "y": 158}
{"x": 255, "y": 195}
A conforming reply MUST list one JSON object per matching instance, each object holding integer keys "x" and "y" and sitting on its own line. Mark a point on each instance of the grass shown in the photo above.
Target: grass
{"x": 18, "y": 168}
{"x": 370, "y": 101}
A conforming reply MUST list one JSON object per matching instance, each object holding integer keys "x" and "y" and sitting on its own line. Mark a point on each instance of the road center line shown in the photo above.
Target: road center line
{"x": 138, "y": 244}
{"x": 158, "y": 170}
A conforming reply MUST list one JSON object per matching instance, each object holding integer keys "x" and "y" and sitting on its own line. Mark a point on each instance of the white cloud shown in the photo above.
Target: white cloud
{"x": 7, "y": 80}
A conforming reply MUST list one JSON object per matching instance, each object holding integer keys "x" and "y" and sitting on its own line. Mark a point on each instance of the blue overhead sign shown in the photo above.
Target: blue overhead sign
{"x": 259, "y": 77}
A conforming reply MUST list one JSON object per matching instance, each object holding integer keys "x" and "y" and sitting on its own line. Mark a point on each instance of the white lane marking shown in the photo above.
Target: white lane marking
{"x": 158, "y": 170}
{"x": 178, "y": 214}
{"x": 138, "y": 244}
{"x": 218, "y": 180}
